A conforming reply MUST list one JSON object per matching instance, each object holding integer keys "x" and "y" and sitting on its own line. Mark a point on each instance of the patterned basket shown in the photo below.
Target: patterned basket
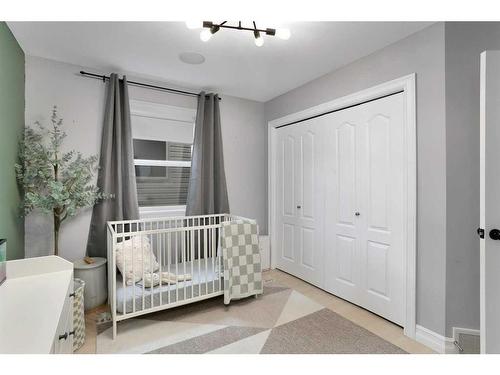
{"x": 78, "y": 315}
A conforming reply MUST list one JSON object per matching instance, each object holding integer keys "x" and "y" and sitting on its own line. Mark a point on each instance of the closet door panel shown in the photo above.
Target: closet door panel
{"x": 345, "y": 257}
{"x": 341, "y": 232}
{"x": 307, "y": 254}
{"x": 377, "y": 268}
{"x": 308, "y": 174}
{"x": 345, "y": 159}
{"x": 288, "y": 237}
{"x": 287, "y": 147}
{"x": 288, "y": 175}
{"x": 375, "y": 156}
{"x": 378, "y": 161}
{"x": 382, "y": 200}
{"x": 299, "y": 201}
{"x": 309, "y": 205}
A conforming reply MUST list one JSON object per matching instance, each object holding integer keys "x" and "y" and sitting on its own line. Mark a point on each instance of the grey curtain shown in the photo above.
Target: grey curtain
{"x": 116, "y": 174}
{"x": 207, "y": 192}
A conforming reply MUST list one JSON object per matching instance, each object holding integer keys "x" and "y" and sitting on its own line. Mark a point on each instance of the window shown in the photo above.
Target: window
{"x": 162, "y": 140}
{"x": 162, "y": 172}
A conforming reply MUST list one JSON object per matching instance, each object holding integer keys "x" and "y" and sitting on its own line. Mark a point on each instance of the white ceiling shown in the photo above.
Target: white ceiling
{"x": 233, "y": 66}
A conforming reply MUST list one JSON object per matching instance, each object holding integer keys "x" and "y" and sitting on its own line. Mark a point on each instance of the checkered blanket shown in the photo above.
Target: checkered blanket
{"x": 241, "y": 259}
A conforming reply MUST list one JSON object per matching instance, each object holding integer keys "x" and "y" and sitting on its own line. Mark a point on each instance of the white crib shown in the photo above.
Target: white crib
{"x": 180, "y": 245}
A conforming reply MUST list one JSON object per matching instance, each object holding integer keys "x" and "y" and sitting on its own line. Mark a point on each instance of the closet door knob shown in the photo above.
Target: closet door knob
{"x": 299, "y": 207}
{"x": 357, "y": 213}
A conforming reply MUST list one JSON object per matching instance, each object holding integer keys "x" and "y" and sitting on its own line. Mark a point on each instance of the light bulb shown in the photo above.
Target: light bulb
{"x": 283, "y": 34}
{"x": 259, "y": 41}
{"x": 205, "y": 35}
{"x": 194, "y": 24}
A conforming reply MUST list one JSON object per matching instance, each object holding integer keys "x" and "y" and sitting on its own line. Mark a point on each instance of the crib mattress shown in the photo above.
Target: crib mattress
{"x": 205, "y": 280}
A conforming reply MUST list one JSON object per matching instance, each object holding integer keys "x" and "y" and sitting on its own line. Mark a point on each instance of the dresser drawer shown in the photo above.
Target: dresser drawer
{"x": 63, "y": 340}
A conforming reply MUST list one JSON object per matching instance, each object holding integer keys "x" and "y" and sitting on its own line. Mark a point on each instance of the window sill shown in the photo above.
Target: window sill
{"x": 152, "y": 212}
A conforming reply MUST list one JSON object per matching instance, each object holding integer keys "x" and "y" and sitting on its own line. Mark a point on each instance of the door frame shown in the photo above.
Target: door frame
{"x": 406, "y": 84}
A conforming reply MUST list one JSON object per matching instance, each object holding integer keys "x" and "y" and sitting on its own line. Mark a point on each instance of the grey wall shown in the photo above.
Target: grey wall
{"x": 424, "y": 54}
{"x": 81, "y": 104}
{"x": 11, "y": 130}
{"x": 244, "y": 135}
{"x": 464, "y": 43}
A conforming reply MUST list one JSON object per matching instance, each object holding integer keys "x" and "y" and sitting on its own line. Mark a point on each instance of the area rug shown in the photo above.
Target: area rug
{"x": 282, "y": 321}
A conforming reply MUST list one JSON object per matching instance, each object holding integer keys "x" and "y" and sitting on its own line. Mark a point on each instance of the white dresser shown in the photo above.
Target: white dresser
{"x": 36, "y": 306}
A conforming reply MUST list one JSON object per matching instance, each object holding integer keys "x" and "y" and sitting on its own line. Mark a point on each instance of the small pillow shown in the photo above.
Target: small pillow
{"x": 129, "y": 259}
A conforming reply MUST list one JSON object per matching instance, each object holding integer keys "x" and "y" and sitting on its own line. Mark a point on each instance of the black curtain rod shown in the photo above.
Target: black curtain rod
{"x": 140, "y": 84}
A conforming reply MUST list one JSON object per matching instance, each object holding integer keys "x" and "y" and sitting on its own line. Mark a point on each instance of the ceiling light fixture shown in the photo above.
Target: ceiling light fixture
{"x": 259, "y": 41}
{"x": 210, "y": 28}
{"x": 205, "y": 35}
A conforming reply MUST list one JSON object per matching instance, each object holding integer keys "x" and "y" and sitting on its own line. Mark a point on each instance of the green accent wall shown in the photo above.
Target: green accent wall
{"x": 11, "y": 128}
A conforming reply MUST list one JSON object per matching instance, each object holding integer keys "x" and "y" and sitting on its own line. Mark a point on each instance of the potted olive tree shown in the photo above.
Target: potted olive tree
{"x": 56, "y": 182}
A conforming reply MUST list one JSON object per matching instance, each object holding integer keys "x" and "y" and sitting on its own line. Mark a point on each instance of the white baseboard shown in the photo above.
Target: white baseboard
{"x": 435, "y": 341}
{"x": 467, "y": 331}
{"x": 265, "y": 253}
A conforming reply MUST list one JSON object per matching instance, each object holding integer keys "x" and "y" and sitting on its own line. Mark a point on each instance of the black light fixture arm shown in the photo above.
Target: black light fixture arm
{"x": 213, "y": 26}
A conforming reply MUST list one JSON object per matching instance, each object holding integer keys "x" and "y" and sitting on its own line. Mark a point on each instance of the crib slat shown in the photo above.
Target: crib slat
{"x": 221, "y": 268}
{"x": 176, "y": 249}
{"x": 151, "y": 243}
{"x": 177, "y": 266}
{"x": 160, "y": 262}
{"x": 143, "y": 291}
{"x": 213, "y": 257}
{"x": 169, "y": 235}
{"x": 133, "y": 273}
{"x": 205, "y": 255}
{"x": 198, "y": 261}
{"x": 113, "y": 285}
{"x": 191, "y": 256}
{"x": 124, "y": 277}
{"x": 200, "y": 271}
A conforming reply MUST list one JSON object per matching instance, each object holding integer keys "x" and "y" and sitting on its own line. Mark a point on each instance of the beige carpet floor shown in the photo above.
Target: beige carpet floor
{"x": 281, "y": 321}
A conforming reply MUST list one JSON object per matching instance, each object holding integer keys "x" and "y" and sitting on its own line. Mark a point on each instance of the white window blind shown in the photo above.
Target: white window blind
{"x": 162, "y": 138}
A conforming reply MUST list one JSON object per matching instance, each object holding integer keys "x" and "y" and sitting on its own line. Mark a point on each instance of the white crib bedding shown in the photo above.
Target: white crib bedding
{"x": 205, "y": 280}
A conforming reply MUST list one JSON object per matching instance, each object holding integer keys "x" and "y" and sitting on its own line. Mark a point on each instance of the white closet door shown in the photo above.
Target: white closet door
{"x": 286, "y": 199}
{"x": 299, "y": 201}
{"x": 342, "y": 227}
{"x": 364, "y": 207}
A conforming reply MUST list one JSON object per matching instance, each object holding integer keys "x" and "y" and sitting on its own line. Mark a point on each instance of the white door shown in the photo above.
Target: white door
{"x": 299, "y": 201}
{"x": 490, "y": 202}
{"x": 340, "y": 204}
{"x": 364, "y": 206}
